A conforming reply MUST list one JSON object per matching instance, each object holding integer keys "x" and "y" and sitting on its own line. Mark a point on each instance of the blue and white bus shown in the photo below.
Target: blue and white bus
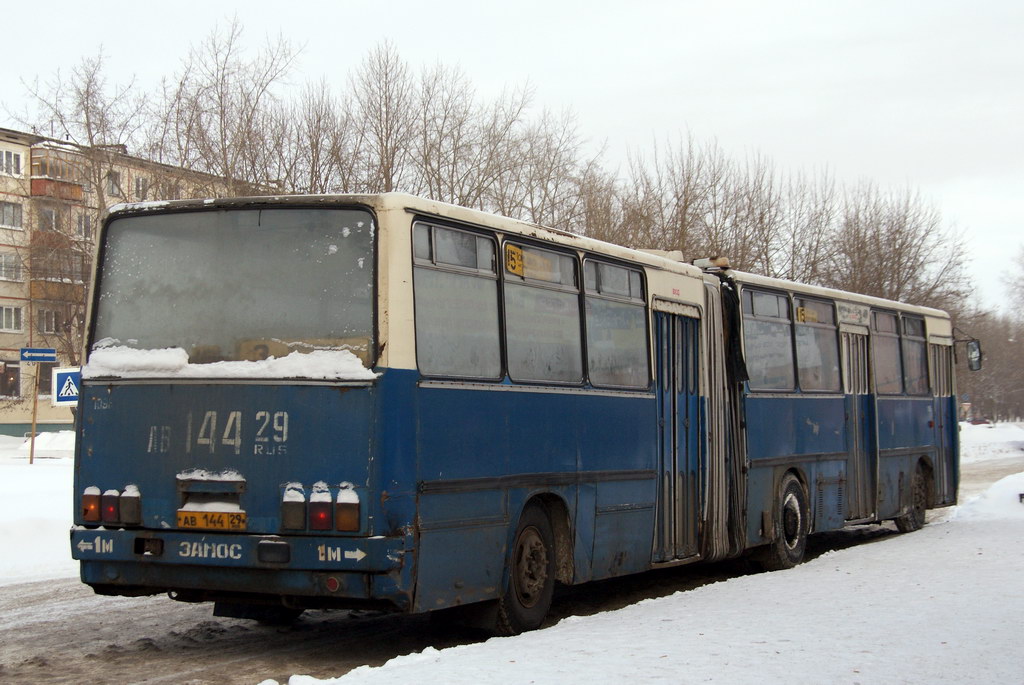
{"x": 384, "y": 401}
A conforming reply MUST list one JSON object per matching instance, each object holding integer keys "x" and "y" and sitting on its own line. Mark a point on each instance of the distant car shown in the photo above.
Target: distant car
{"x": 978, "y": 422}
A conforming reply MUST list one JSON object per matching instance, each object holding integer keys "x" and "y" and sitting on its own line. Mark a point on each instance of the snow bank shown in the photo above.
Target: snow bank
{"x": 1001, "y": 501}
{"x": 54, "y": 441}
{"x": 127, "y": 362}
{"x": 990, "y": 441}
{"x": 35, "y": 516}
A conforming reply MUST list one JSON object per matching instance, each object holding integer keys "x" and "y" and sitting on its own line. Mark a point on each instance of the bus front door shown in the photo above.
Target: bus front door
{"x": 679, "y": 421}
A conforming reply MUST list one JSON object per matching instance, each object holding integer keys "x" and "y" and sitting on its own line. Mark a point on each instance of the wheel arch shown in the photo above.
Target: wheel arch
{"x": 924, "y": 462}
{"x": 561, "y": 526}
{"x": 805, "y": 483}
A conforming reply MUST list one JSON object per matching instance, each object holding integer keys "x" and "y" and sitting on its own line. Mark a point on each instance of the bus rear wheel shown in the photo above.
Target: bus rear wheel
{"x": 792, "y": 524}
{"x": 913, "y": 518}
{"x": 531, "y": 575}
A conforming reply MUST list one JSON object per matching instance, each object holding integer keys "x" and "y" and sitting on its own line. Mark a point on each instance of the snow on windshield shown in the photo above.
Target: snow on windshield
{"x": 126, "y": 362}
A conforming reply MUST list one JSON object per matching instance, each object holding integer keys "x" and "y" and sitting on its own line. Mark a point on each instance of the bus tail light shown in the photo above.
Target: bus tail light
{"x": 320, "y": 515}
{"x": 320, "y": 507}
{"x": 293, "y": 507}
{"x": 91, "y": 504}
{"x": 131, "y": 506}
{"x": 346, "y": 510}
{"x": 110, "y": 507}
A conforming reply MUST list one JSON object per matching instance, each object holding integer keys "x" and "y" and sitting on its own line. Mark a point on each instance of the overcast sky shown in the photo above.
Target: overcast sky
{"x": 927, "y": 94}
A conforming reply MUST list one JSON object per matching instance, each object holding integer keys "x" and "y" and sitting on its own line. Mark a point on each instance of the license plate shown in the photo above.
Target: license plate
{"x": 212, "y": 520}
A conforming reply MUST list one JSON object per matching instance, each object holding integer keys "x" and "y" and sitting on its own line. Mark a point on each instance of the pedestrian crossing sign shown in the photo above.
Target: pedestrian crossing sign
{"x": 65, "y": 385}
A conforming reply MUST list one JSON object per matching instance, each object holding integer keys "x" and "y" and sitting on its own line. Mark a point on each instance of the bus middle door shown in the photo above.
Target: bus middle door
{"x": 679, "y": 421}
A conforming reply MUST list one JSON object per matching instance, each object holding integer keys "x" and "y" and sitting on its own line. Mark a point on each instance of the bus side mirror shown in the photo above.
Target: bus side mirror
{"x": 974, "y": 355}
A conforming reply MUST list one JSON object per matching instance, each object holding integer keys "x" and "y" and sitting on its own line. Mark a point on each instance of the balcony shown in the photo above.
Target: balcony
{"x": 57, "y": 189}
{"x": 55, "y": 291}
{"x": 57, "y": 173}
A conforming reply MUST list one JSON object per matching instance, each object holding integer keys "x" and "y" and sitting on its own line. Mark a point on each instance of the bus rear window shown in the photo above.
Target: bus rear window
{"x": 239, "y": 285}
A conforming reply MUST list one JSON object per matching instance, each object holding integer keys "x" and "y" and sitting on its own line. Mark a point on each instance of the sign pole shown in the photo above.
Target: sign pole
{"x": 35, "y": 410}
{"x": 36, "y": 356}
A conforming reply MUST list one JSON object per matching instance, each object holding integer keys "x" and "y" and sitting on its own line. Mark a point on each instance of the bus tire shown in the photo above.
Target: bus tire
{"x": 913, "y": 518}
{"x": 531, "y": 574}
{"x": 792, "y": 523}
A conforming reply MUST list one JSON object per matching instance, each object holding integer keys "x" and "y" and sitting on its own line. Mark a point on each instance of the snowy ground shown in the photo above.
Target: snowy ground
{"x": 942, "y": 605}
{"x": 36, "y": 509}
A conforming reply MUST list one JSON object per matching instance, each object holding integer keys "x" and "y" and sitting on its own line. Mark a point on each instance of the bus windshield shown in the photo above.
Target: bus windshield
{"x": 239, "y": 285}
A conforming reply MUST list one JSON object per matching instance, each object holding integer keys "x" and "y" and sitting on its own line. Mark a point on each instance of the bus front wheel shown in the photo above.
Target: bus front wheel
{"x": 531, "y": 574}
{"x": 792, "y": 524}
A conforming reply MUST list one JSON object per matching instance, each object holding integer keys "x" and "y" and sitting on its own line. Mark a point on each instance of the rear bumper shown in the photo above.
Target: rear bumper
{"x": 205, "y": 564}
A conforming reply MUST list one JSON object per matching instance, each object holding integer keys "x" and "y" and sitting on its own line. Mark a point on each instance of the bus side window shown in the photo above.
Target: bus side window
{"x": 616, "y": 326}
{"x": 456, "y": 300}
{"x": 542, "y": 315}
{"x": 885, "y": 348}
{"x": 915, "y": 363}
{"x": 817, "y": 346}
{"x": 768, "y": 341}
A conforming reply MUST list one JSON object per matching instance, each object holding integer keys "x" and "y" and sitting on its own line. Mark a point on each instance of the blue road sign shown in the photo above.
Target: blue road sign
{"x": 66, "y": 383}
{"x": 39, "y": 354}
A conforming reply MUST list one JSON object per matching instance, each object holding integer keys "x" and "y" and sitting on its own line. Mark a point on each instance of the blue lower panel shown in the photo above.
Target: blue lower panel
{"x": 375, "y": 555}
{"x": 351, "y": 586}
{"x": 366, "y": 568}
{"x": 465, "y": 565}
{"x": 626, "y": 538}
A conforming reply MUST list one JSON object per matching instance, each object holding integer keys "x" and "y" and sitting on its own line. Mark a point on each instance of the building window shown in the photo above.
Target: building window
{"x": 141, "y": 187}
{"x": 84, "y": 227}
{"x": 49, "y": 321}
{"x": 61, "y": 265}
{"x": 10, "y": 379}
{"x": 170, "y": 190}
{"x": 10, "y": 319}
{"x": 44, "y": 379}
{"x": 49, "y": 219}
{"x": 10, "y": 163}
{"x": 10, "y": 215}
{"x": 10, "y": 266}
{"x": 114, "y": 183}
{"x": 55, "y": 164}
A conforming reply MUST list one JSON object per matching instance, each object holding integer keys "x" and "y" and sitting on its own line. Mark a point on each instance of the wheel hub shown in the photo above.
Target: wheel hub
{"x": 791, "y": 521}
{"x": 531, "y": 568}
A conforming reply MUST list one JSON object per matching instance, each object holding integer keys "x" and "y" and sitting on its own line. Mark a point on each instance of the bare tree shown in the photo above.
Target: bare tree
{"x": 1016, "y": 284}
{"x": 383, "y": 101}
{"x": 811, "y": 210}
{"x": 997, "y": 391}
{"x": 98, "y": 118}
{"x": 465, "y": 149}
{"x": 78, "y": 180}
{"x": 218, "y": 115}
{"x": 895, "y": 246}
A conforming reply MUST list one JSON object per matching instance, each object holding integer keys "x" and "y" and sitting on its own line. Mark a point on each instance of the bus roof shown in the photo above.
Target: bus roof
{"x": 402, "y": 202}
{"x": 832, "y": 293}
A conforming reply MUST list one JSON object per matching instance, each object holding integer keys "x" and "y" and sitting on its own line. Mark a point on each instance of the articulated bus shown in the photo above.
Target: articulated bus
{"x": 380, "y": 401}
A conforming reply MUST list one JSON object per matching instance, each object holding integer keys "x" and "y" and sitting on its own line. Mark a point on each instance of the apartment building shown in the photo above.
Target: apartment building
{"x": 53, "y": 197}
